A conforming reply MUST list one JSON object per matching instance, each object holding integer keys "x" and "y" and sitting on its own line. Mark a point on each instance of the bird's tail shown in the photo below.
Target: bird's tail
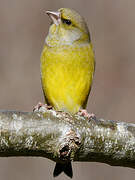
{"x": 66, "y": 168}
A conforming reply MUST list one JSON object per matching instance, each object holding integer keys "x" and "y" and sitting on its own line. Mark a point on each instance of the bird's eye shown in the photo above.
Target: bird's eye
{"x": 66, "y": 21}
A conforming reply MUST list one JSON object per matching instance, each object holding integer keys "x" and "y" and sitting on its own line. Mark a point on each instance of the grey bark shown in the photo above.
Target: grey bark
{"x": 62, "y": 137}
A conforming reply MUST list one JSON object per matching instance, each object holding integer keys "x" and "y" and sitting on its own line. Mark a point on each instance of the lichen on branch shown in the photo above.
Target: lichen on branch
{"x": 63, "y": 137}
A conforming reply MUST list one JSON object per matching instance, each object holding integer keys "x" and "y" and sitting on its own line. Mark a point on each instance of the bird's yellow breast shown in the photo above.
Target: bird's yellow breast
{"x": 66, "y": 74}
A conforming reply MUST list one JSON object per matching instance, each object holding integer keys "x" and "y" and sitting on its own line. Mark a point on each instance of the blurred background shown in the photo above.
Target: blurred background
{"x": 23, "y": 27}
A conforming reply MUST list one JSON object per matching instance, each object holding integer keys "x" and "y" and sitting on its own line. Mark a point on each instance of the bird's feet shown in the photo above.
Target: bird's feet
{"x": 40, "y": 106}
{"x": 84, "y": 113}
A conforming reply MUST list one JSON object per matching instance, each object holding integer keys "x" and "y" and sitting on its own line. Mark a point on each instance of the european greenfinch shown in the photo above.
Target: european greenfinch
{"x": 67, "y": 66}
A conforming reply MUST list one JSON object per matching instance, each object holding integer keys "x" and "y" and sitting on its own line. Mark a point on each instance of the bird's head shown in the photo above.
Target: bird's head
{"x": 67, "y": 28}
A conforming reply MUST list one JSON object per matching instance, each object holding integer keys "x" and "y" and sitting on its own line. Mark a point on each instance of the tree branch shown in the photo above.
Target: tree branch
{"x": 62, "y": 137}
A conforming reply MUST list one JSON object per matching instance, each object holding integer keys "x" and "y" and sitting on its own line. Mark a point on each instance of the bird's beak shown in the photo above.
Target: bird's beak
{"x": 55, "y": 16}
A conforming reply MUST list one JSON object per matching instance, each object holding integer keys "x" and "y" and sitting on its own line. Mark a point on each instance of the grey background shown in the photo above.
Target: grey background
{"x": 23, "y": 27}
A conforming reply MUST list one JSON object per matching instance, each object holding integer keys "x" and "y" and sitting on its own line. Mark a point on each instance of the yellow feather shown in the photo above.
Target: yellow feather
{"x": 67, "y": 75}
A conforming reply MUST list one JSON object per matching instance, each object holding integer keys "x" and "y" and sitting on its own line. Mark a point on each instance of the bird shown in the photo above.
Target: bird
{"x": 67, "y": 66}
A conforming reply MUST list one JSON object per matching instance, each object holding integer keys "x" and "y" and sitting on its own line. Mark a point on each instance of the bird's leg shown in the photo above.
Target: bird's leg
{"x": 84, "y": 112}
{"x": 40, "y": 105}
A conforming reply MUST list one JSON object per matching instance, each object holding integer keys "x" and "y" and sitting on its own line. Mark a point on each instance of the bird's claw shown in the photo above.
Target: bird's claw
{"x": 41, "y": 105}
{"x": 84, "y": 113}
